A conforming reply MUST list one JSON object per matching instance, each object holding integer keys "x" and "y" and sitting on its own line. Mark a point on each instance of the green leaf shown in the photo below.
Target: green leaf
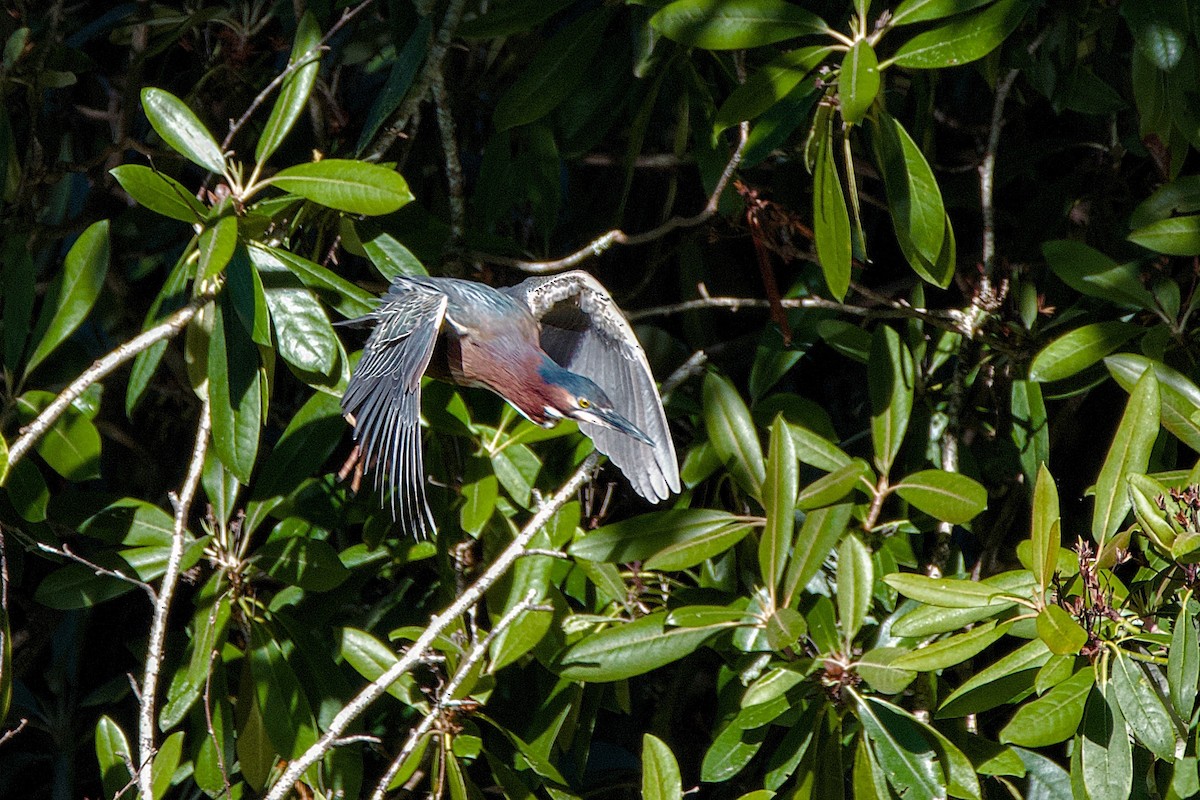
{"x": 517, "y": 16}
{"x": 182, "y": 130}
{"x": 905, "y": 755}
{"x": 730, "y": 752}
{"x": 627, "y": 649}
{"x": 1052, "y": 717}
{"x": 234, "y": 391}
{"x": 390, "y": 258}
{"x": 1044, "y": 536}
{"x": 297, "y": 86}
{"x": 1129, "y": 454}
{"x": 159, "y": 193}
{"x": 836, "y": 485}
{"x": 814, "y": 449}
{"x": 1144, "y": 494}
{"x": 734, "y": 24}
{"x": 1160, "y": 29}
{"x": 311, "y": 564}
{"x": 1077, "y": 350}
{"x": 112, "y": 755}
{"x": 216, "y": 246}
{"x": 911, "y": 11}
{"x": 640, "y": 538}
{"x": 890, "y": 384}
{"x": 1142, "y": 707}
{"x": 286, "y": 713}
{"x": 858, "y": 81}
{"x": 166, "y": 760}
{"x": 1060, "y": 631}
{"x": 1180, "y": 397}
{"x": 1183, "y": 662}
{"x": 660, "y": 771}
{"x": 72, "y": 292}
{"x": 768, "y": 86}
{"x": 1094, "y": 274}
{"x": 831, "y": 222}
{"x": 963, "y": 39}
{"x": 818, "y": 536}
{"x": 1009, "y": 677}
{"x": 933, "y": 620}
{"x": 953, "y": 649}
{"x": 1104, "y": 749}
{"x": 779, "y": 501}
{"x": 303, "y": 335}
{"x": 71, "y": 446}
{"x": 371, "y": 658}
{"x": 731, "y": 431}
{"x": 1180, "y": 196}
{"x": 171, "y": 297}
{"x": 914, "y": 200}
{"x": 1177, "y": 236}
{"x": 355, "y": 187}
{"x": 559, "y": 67}
{"x": 944, "y": 592}
{"x": 343, "y": 296}
{"x": 948, "y": 496}
{"x": 876, "y": 668}
{"x": 855, "y": 579}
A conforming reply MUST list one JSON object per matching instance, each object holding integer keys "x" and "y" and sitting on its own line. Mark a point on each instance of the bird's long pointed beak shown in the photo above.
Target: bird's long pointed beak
{"x": 612, "y": 419}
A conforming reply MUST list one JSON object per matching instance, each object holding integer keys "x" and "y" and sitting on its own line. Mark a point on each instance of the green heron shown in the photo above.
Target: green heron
{"x": 554, "y": 347}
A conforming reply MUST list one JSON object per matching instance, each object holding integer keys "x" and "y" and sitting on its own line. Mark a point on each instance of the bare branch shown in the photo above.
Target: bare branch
{"x": 468, "y": 664}
{"x": 437, "y": 626}
{"x": 169, "y": 327}
{"x": 158, "y": 628}
{"x": 617, "y": 236}
{"x": 10, "y": 734}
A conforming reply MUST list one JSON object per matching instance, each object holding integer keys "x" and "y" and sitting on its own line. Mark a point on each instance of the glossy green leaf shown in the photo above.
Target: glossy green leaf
{"x": 1129, "y": 454}
{"x": 1180, "y": 397}
{"x": 961, "y": 774}
{"x": 779, "y": 501}
{"x": 166, "y": 761}
{"x": 831, "y": 218}
{"x": 767, "y": 86}
{"x": 784, "y": 628}
{"x": 948, "y": 496}
{"x": 855, "y": 579}
{"x": 963, "y": 39}
{"x": 346, "y": 298}
{"x": 836, "y": 485}
{"x": 72, "y": 293}
{"x": 71, "y": 446}
{"x": 234, "y": 391}
{"x": 731, "y": 431}
{"x": 953, "y": 649}
{"x": 1180, "y": 196}
{"x": 660, "y": 771}
{"x": 1183, "y": 662}
{"x": 915, "y": 201}
{"x": 928, "y": 620}
{"x": 112, "y": 755}
{"x": 172, "y": 296}
{"x": 1044, "y": 536}
{"x": 944, "y": 592}
{"x": 1160, "y": 29}
{"x": 910, "y": 11}
{"x": 1144, "y": 495}
{"x": 27, "y": 490}
{"x": 182, "y": 131}
{"x": 1105, "y": 754}
{"x": 287, "y": 715}
{"x": 559, "y": 67}
{"x": 817, "y": 537}
{"x": 159, "y": 193}
{"x": 1010, "y": 676}
{"x": 303, "y": 335}
{"x": 1094, "y": 274}
{"x": 905, "y": 755}
{"x": 730, "y": 752}
{"x": 390, "y": 258}
{"x": 876, "y": 667}
{"x": 815, "y": 450}
{"x": 734, "y": 24}
{"x": 305, "y": 61}
{"x": 371, "y": 658}
{"x": 1060, "y": 631}
{"x": 209, "y": 625}
{"x": 890, "y": 384}
{"x": 355, "y": 187}
{"x": 858, "y": 81}
{"x": 628, "y": 649}
{"x": 1054, "y": 716}
{"x": 216, "y": 246}
{"x": 1142, "y": 707}
{"x": 311, "y": 564}
{"x": 1176, "y": 236}
{"x": 1079, "y": 349}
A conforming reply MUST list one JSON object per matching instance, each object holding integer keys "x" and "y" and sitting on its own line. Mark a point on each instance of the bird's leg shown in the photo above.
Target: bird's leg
{"x": 354, "y": 464}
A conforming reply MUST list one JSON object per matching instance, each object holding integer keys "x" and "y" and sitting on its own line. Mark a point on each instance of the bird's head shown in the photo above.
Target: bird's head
{"x": 572, "y": 396}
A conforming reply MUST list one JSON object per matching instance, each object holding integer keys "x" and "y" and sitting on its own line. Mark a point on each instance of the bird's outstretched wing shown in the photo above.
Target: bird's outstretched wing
{"x": 383, "y": 398}
{"x": 584, "y": 331}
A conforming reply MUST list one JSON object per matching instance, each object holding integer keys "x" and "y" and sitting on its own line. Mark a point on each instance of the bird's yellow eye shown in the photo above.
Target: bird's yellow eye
{"x": 584, "y": 402}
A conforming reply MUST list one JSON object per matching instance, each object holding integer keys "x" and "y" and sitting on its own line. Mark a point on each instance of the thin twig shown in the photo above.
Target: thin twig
{"x": 169, "y": 327}
{"x": 66, "y": 553}
{"x": 416, "y": 94}
{"x": 454, "y": 172}
{"x": 303, "y": 60}
{"x": 158, "y": 628}
{"x": 617, "y": 236}
{"x": 685, "y": 371}
{"x": 437, "y": 626}
{"x": 9, "y": 734}
{"x": 218, "y": 742}
{"x": 427, "y": 722}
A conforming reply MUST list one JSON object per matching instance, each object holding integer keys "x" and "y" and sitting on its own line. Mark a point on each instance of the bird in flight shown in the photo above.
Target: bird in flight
{"x": 554, "y": 347}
